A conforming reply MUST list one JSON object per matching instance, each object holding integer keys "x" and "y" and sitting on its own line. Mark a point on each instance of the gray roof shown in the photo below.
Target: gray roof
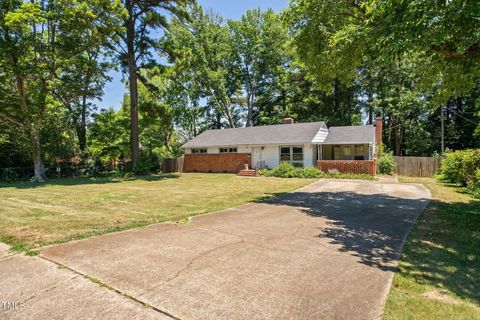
{"x": 297, "y": 133}
{"x": 350, "y": 134}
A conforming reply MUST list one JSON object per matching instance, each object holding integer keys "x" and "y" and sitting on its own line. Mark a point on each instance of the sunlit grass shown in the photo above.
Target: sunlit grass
{"x": 439, "y": 275}
{"x": 62, "y": 210}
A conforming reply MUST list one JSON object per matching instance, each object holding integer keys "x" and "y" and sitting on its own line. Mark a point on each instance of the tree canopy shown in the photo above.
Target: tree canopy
{"x": 342, "y": 61}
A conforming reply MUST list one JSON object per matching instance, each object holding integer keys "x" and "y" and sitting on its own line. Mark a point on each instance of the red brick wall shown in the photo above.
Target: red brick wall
{"x": 348, "y": 166}
{"x": 216, "y": 162}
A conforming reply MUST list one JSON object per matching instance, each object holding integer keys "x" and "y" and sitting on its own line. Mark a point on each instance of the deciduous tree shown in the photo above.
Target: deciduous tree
{"x": 37, "y": 44}
{"x": 260, "y": 46}
{"x": 202, "y": 48}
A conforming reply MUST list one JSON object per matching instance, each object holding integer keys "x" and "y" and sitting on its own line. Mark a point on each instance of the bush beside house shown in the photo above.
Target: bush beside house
{"x": 287, "y": 170}
{"x": 385, "y": 163}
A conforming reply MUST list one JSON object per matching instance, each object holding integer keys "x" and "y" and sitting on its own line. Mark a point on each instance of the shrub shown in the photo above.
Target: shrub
{"x": 385, "y": 163}
{"x": 310, "y": 173}
{"x": 333, "y": 172}
{"x": 475, "y": 185}
{"x": 287, "y": 170}
{"x": 265, "y": 172}
{"x": 8, "y": 175}
{"x": 143, "y": 167}
{"x": 461, "y": 167}
{"x": 89, "y": 168}
{"x": 450, "y": 167}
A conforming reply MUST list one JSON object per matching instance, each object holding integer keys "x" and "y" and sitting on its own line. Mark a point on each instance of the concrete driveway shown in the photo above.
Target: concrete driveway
{"x": 327, "y": 251}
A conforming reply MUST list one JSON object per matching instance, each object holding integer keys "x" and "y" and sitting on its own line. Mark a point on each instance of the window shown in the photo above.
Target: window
{"x": 294, "y": 155}
{"x": 285, "y": 154}
{"x": 227, "y": 150}
{"x": 199, "y": 151}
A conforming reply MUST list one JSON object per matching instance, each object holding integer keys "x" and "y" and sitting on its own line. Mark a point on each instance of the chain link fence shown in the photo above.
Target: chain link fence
{"x": 14, "y": 174}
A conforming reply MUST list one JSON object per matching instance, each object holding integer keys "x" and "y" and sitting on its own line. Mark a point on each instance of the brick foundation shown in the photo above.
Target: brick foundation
{"x": 348, "y": 166}
{"x": 216, "y": 162}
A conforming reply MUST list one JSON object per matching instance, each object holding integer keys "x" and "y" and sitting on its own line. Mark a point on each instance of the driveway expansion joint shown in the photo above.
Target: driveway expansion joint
{"x": 106, "y": 286}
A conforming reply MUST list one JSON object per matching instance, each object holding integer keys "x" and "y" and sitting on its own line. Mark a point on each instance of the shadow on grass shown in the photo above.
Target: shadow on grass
{"x": 86, "y": 181}
{"x": 370, "y": 227}
{"x": 443, "y": 250}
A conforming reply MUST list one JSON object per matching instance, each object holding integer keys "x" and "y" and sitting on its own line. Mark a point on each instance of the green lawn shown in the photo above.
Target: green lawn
{"x": 439, "y": 275}
{"x": 33, "y": 215}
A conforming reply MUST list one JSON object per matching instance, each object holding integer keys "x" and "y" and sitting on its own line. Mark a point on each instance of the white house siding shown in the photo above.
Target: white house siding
{"x": 244, "y": 149}
{"x": 271, "y": 155}
{"x": 308, "y": 155}
{"x": 212, "y": 150}
{"x": 268, "y": 154}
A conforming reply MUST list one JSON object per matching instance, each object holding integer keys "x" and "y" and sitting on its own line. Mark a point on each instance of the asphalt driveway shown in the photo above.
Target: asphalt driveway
{"x": 327, "y": 251}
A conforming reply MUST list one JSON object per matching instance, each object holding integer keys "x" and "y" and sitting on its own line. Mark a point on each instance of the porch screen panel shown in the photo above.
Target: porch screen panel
{"x": 342, "y": 152}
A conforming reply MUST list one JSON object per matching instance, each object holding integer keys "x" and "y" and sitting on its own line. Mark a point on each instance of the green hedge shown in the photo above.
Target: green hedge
{"x": 287, "y": 170}
{"x": 462, "y": 167}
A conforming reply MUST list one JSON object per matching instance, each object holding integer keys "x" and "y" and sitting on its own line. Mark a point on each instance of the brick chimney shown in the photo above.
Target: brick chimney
{"x": 378, "y": 130}
{"x": 288, "y": 121}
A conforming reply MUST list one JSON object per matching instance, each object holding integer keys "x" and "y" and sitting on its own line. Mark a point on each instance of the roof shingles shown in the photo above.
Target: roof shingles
{"x": 350, "y": 135}
{"x": 297, "y": 133}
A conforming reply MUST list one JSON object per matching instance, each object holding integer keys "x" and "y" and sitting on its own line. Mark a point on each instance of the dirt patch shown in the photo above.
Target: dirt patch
{"x": 442, "y": 296}
{"x": 3, "y": 249}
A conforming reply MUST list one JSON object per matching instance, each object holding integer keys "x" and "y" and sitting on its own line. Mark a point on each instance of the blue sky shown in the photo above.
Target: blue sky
{"x": 229, "y": 9}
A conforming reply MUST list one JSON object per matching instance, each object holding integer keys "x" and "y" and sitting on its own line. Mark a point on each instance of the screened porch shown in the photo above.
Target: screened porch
{"x": 344, "y": 152}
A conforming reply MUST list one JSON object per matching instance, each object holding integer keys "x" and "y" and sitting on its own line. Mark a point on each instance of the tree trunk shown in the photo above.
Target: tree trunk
{"x": 228, "y": 115}
{"x": 250, "y": 101}
{"x": 230, "y": 119}
{"x": 370, "y": 106}
{"x": 218, "y": 120}
{"x": 133, "y": 86}
{"x": 82, "y": 137}
{"x": 336, "y": 101}
{"x": 398, "y": 141}
{"x": 39, "y": 168}
{"x": 33, "y": 128}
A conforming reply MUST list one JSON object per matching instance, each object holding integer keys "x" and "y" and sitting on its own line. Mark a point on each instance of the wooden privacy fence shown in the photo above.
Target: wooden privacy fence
{"x": 173, "y": 165}
{"x": 416, "y": 166}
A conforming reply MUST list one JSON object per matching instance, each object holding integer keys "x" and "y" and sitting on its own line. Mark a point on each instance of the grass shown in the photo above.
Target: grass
{"x": 33, "y": 215}
{"x": 439, "y": 271}
{"x": 352, "y": 176}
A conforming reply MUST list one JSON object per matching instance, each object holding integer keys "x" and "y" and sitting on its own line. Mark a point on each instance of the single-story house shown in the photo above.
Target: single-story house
{"x": 347, "y": 149}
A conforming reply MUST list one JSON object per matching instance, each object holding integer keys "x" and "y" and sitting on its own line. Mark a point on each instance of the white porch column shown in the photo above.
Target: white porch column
{"x": 320, "y": 151}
